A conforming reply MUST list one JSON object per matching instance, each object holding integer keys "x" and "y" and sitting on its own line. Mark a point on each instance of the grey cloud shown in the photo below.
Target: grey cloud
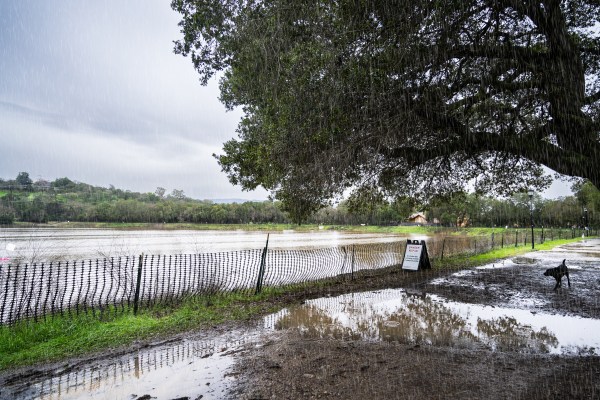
{"x": 93, "y": 91}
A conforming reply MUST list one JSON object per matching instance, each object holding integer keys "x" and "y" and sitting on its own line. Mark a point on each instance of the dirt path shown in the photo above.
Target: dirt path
{"x": 291, "y": 367}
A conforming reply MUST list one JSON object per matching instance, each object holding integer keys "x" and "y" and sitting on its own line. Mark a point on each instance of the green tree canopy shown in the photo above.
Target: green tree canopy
{"x": 23, "y": 179}
{"x": 414, "y": 97}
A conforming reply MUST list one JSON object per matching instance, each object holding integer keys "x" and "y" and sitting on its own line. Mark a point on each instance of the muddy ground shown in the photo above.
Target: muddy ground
{"x": 293, "y": 366}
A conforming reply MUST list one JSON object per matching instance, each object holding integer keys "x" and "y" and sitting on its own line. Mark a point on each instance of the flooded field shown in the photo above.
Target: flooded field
{"x": 506, "y": 306}
{"x": 520, "y": 283}
{"x": 37, "y": 244}
{"x": 495, "y": 332}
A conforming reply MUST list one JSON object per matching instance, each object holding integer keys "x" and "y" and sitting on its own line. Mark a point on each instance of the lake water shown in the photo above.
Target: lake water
{"x": 39, "y": 244}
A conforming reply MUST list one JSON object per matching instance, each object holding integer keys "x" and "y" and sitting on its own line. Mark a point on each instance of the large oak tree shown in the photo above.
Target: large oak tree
{"x": 408, "y": 97}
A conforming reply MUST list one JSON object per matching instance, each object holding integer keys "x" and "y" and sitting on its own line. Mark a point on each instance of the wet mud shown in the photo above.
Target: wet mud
{"x": 292, "y": 367}
{"x": 191, "y": 366}
{"x": 520, "y": 283}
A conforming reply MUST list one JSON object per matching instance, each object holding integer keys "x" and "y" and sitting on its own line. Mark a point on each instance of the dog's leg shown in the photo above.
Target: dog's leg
{"x": 557, "y": 283}
{"x": 568, "y": 279}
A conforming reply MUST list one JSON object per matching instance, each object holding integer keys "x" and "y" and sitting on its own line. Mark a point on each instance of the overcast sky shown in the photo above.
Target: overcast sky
{"x": 92, "y": 90}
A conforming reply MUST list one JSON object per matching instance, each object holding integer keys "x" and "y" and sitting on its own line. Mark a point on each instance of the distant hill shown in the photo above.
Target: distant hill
{"x": 23, "y": 200}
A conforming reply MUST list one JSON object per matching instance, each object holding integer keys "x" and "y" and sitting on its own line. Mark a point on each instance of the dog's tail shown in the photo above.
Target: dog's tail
{"x": 563, "y": 263}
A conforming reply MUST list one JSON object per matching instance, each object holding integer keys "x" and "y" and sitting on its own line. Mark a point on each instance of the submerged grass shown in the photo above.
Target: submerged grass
{"x": 30, "y": 343}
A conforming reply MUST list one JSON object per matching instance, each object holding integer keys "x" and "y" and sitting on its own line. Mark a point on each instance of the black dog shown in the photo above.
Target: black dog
{"x": 558, "y": 273}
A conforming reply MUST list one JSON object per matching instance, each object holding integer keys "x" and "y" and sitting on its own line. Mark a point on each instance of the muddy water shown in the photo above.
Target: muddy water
{"x": 505, "y": 306}
{"x": 190, "y": 369}
{"x": 520, "y": 282}
{"x": 36, "y": 244}
{"x": 424, "y": 319}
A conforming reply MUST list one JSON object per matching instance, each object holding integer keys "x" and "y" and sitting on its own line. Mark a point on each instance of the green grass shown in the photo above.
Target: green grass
{"x": 29, "y": 343}
{"x": 499, "y": 254}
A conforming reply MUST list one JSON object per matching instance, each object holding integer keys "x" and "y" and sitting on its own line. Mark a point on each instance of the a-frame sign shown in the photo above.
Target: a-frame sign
{"x": 415, "y": 256}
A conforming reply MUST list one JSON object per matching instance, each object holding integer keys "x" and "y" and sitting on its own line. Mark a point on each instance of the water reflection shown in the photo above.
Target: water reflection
{"x": 397, "y": 316}
{"x": 190, "y": 368}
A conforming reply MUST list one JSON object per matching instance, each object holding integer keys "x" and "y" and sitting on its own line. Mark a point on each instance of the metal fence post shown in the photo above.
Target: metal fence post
{"x": 136, "y": 297}
{"x": 261, "y": 270}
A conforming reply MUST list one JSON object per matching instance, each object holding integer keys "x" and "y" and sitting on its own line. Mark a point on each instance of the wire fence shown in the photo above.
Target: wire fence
{"x": 123, "y": 284}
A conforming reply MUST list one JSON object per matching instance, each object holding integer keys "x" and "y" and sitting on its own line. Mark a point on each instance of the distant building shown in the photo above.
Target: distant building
{"x": 463, "y": 222}
{"x": 417, "y": 218}
{"x": 42, "y": 184}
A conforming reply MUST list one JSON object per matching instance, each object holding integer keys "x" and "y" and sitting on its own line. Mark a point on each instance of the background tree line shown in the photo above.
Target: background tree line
{"x": 23, "y": 200}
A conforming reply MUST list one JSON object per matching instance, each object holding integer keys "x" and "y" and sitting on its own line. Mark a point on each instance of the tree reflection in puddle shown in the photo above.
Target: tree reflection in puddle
{"x": 395, "y": 316}
{"x": 506, "y": 334}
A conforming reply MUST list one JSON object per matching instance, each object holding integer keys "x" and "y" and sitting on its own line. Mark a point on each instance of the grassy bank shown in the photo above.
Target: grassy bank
{"x": 62, "y": 337}
{"x": 57, "y": 338}
{"x": 502, "y": 253}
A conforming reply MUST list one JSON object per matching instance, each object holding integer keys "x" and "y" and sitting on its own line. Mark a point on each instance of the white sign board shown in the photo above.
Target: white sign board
{"x": 412, "y": 257}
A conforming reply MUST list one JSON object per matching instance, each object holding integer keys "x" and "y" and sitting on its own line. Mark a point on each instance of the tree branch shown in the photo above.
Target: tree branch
{"x": 592, "y": 98}
{"x": 543, "y": 152}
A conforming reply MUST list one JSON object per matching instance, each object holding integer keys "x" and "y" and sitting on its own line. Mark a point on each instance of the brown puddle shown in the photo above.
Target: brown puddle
{"x": 189, "y": 369}
{"x": 415, "y": 318}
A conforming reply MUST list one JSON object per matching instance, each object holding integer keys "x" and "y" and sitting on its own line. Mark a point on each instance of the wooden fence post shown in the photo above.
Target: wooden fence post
{"x": 136, "y": 297}
{"x": 261, "y": 270}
